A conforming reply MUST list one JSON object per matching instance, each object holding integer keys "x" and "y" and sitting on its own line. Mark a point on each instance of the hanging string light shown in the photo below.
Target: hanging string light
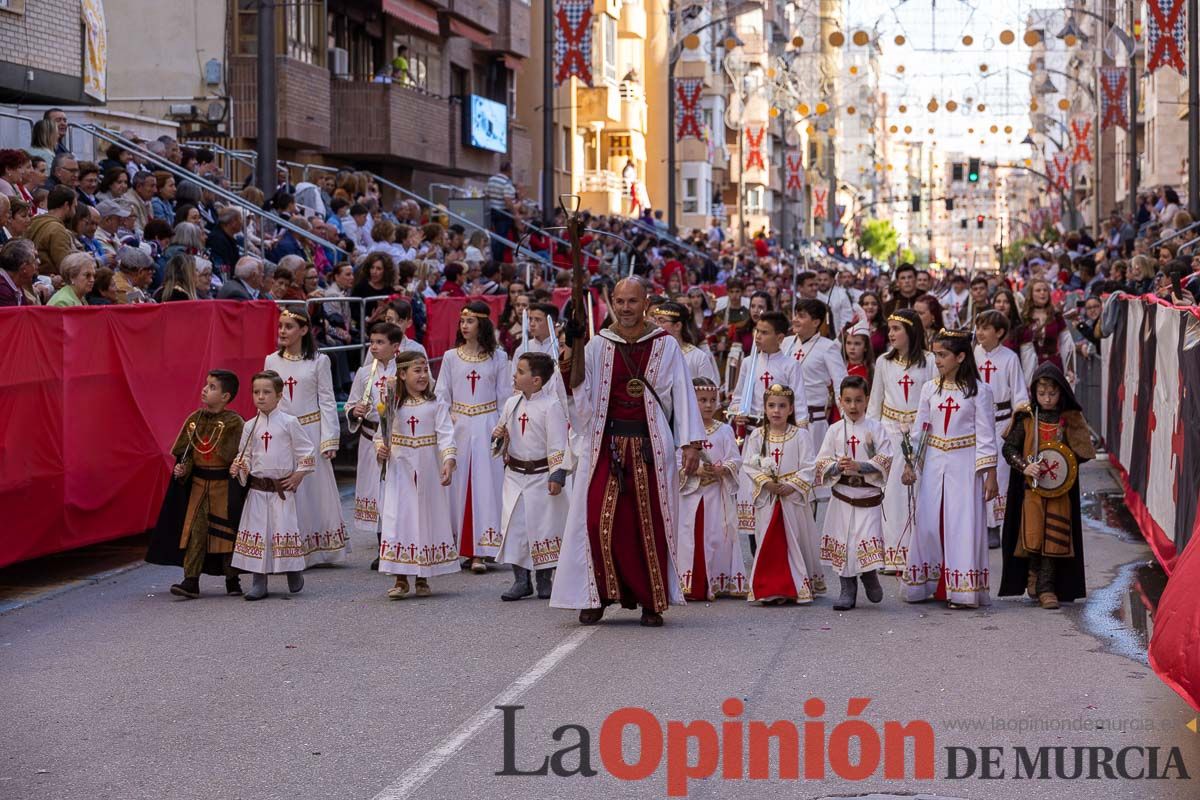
{"x": 899, "y": 40}
{"x": 802, "y": 110}
{"x": 797, "y": 42}
{"x": 903, "y": 109}
{"x": 933, "y": 105}
{"x": 900, "y": 69}
{"x": 968, "y": 40}
{"x": 837, "y": 38}
{"x": 861, "y": 38}
{"x": 951, "y": 106}
{"x": 1007, "y": 36}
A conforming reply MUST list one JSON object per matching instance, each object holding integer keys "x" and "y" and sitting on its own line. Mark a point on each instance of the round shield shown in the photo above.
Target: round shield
{"x": 1058, "y": 470}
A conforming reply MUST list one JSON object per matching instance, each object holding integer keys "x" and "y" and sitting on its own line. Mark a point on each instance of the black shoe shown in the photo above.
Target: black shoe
{"x": 295, "y": 581}
{"x": 258, "y": 588}
{"x": 590, "y": 616}
{"x": 993, "y": 538}
{"x": 375, "y": 564}
{"x": 849, "y": 595}
{"x": 545, "y": 583}
{"x": 521, "y": 586}
{"x": 651, "y": 619}
{"x": 870, "y": 582}
{"x": 233, "y": 585}
{"x": 188, "y": 587}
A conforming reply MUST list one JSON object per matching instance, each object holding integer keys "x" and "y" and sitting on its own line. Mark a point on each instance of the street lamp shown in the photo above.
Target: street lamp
{"x": 676, "y": 51}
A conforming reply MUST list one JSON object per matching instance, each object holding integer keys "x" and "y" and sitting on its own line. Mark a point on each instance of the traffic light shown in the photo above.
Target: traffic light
{"x": 973, "y": 171}
{"x": 964, "y": 222}
{"x": 956, "y": 172}
{"x": 979, "y": 221}
{"x": 914, "y": 202}
{"x": 949, "y": 203}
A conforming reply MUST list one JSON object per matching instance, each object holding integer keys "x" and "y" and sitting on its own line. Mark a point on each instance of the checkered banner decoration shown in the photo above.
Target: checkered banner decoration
{"x": 1081, "y": 129}
{"x": 754, "y": 153}
{"x": 1166, "y": 34}
{"x": 687, "y": 108}
{"x": 1114, "y": 99}
{"x": 819, "y": 196}
{"x": 1059, "y": 170}
{"x": 795, "y": 174}
{"x": 573, "y": 40}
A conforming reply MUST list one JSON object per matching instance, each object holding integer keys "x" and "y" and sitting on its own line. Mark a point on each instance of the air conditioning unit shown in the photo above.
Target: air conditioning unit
{"x": 339, "y": 62}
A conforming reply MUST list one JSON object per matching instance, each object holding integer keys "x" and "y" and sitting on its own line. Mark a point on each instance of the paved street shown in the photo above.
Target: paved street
{"x": 118, "y": 690}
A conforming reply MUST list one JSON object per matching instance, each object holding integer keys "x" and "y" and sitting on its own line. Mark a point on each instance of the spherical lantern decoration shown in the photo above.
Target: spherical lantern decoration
{"x": 837, "y": 38}
{"x": 970, "y": 130}
{"x": 983, "y": 67}
{"x": 1064, "y": 104}
{"x": 797, "y": 42}
{"x": 802, "y": 109}
{"x": 1033, "y": 105}
{"x": 810, "y": 130}
{"x": 691, "y": 41}
{"x": 951, "y": 106}
{"x": 1007, "y": 36}
{"x": 968, "y": 40}
{"x": 850, "y": 109}
{"x": 1070, "y": 40}
{"x": 980, "y": 107}
{"x": 822, "y": 109}
{"x": 774, "y": 112}
{"x": 893, "y": 129}
{"x": 899, "y": 69}
{"x": 1032, "y": 38}
{"x": 853, "y": 69}
{"x": 899, "y": 40}
{"x": 770, "y": 72}
{"x": 931, "y": 131}
{"x": 861, "y": 38}
{"x": 994, "y": 129}
{"x": 1008, "y": 128}
{"x": 908, "y": 128}
{"x": 1029, "y": 162}
{"x": 933, "y": 105}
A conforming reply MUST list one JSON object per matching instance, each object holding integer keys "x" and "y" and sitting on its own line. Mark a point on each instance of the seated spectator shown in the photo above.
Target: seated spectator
{"x": 84, "y": 225}
{"x": 204, "y": 278}
{"x": 89, "y": 183}
{"x": 451, "y": 286}
{"x": 44, "y": 140}
{"x": 18, "y": 268}
{"x": 188, "y": 240}
{"x": 179, "y": 280}
{"x": 104, "y": 291}
{"x": 356, "y": 226}
{"x": 288, "y": 244}
{"x": 113, "y": 218}
{"x": 64, "y": 171}
{"x": 246, "y": 283}
{"x": 222, "y": 242}
{"x": 49, "y": 232}
{"x": 78, "y": 274}
{"x": 312, "y": 282}
{"x": 20, "y": 217}
{"x": 376, "y": 276}
{"x": 13, "y": 166}
{"x": 144, "y": 187}
{"x": 135, "y": 273}
{"x": 186, "y": 212}
{"x": 114, "y": 185}
{"x": 162, "y": 205}
{"x": 115, "y": 157}
{"x": 5, "y": 211}
{"x": 282, "y": 285}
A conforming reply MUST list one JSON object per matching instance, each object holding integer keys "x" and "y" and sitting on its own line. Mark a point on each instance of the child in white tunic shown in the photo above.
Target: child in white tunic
{"x": 274, "y": 456}
{"x": 362, "y": 418}
{"x": 308, "y": 396}
{"x": 533, "y": 432}
{"x": 777, "y": 475}
{"x": 474, "y": 377}
{"x": 854, "y": 462}
{"x": 948, "y": 559}
{"x": 416, "y": 442}
{"x": 766, "y": 366}
{"x": 895, "y": 391}
{"x": 1000, "y": 369}
{"x": 709, "y": 554}
{"x": 676, "y": 320}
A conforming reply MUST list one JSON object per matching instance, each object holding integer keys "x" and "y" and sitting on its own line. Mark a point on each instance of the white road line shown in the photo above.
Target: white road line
{"x": 415, "y": 776}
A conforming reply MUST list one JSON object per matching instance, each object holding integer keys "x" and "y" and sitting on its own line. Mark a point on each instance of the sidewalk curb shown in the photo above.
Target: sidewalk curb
{"x": 91, "y": 580}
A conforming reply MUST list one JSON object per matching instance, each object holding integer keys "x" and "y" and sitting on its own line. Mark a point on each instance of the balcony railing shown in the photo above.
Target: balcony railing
{"x": 603, "y": 180}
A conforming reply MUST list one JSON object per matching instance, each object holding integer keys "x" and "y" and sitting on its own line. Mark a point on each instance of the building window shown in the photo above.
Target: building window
{"x": 608, "y": 47}
{"x": 304, "y": 34}
{"x": 691, "y": 196}
{"x": 754, "y": 200}
{"x": 566, "y": 145}
{"x": 424, "y": 63}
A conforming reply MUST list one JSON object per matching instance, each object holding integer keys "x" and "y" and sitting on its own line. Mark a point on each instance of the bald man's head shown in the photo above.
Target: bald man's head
{"x": 629, "y": 299}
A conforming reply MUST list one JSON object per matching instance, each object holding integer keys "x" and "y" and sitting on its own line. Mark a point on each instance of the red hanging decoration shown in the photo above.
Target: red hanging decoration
{"x": 1166, "y": 34}
{"x": 1081, "y": 129}
{"x": 1061, "y": 173}
{"x": 754, "y": 155}
{"x": 795, "y": 174}
{"x": 687, "y": 107}
{"x": 819, "y": 196}
{"x": 1114, "y": 99}
{"x": 573, "y": 41}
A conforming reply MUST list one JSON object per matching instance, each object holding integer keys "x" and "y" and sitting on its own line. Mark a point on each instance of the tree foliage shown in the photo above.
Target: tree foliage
{"x": 878, "y": 238}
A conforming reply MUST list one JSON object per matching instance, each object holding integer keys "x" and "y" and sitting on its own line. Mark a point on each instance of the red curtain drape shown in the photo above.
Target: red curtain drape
{"x": 91, "y": 399}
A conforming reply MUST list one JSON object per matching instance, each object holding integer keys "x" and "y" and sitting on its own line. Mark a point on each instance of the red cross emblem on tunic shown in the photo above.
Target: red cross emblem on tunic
{"x": 412, "y": 425}
{"x": 949, "y": 406}
{"x": 707, "y": 445}
{"x": 776, "y": 453}
{"x": 290, "y": 383}
{"x": 1049, "y": 468}
{"x": 473, "y": 377}
{"x": 523, "y": 419}
{"x": 904, "y": 383}
{"x": 853, "y": 443}
{"x": 754, "y": 156}
{"x": 379, "y": 384}
{"x": 266, "y": 440}
{"x": 987, "y": 369}
{"x": 799, "y": 354}
{"x": 766, "y": 378}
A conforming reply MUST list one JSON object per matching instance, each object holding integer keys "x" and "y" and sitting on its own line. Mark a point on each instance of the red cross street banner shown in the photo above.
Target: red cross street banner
{"x": 754, "y": 153}
{"x": 1114, "y": 99}
{"x": 819, "y": 196}
{"x": 1166, "y": 34}
{"x": 1061, "y": 174}
{"x": 1081, "y": 129}
{"x": 795, "y": 174}
{"x": 573, "y": 41}
{"x": 687, "y": 108}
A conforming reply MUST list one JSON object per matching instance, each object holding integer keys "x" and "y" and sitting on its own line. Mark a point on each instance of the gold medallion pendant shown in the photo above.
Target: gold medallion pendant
{"x": 635, "y": 387}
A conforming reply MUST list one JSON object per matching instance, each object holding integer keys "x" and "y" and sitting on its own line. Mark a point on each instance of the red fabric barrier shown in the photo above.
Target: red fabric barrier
{"x": 91, "y": 400}
{"x": 441, "y": 316}
{"x": 1176, "y": 640}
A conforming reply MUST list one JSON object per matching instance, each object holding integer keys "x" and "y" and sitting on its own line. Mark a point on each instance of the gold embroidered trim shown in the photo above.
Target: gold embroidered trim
{"x": 776, "y": 438}
{"x": 469, "y": 410}
{"x": 449, "y": 452}
{"x": 479, "y": 359}
{"x": 955, "y": 443}
{"x": 898, "y": 416}
{"x": 309, "y": 419}
{"x": 715, "y": 427}
{"x": 984, "y": 462}
{"x": 289, "y": 357}
{"x": 555, "y": 459}
{"x": 413, "y": 441}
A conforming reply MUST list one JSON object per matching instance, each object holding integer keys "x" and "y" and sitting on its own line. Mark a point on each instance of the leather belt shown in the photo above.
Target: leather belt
{"x": 858, "y": 502}
{"x": 367, "y": 428}
{"x": 210, "y": 474}
{"x": 817, "y": 413}
{"x": 535, "y": 467}
{"x": 855, "y": 481}
{"x": 629, "y": 428}
{"x": 1006, "y": 406}
{"x": 269, "y": 485}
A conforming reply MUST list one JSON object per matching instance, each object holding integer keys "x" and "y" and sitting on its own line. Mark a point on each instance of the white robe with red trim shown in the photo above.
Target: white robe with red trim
{"x": 852, "y": 536}
{"x": 575, "y": 582}
{"x": 722, "y": 552}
